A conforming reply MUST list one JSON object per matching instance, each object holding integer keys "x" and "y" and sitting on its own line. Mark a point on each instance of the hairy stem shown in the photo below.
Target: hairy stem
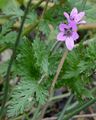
{"x": 54, "y": 47}
{"x": 51, "y": 91}
{"x": 60, "y": 96}
{"x": 58, "y": 72}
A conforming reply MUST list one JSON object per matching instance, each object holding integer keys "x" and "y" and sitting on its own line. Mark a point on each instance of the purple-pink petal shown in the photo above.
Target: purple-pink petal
{"x": 82, "y": 22}
{"x": 66, "y": 15}
{"x": 62, "y": 26}
{"x": 74, "y": 12}
{"x": 79, "y": 16}
{"x": 75, "y": 36}
{"x": 61, "y": 37}
{"x": 73, "y": 25}
{"x": 69, "y": 43}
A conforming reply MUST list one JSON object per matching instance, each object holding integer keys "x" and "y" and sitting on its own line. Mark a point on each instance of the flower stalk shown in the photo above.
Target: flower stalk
{"x": 51, "y": 90}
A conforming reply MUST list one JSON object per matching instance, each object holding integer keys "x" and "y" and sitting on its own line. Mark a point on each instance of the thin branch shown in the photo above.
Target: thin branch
{"x": 87, "y": 26}
{"x": 45, "y": 8}
{"x": 58, "y": 72}
{"x": 55, "y": 46}
{"x": 65, "y": 107}
{"x": 51, "y": 91}
{"x": 81, "y": 107}
{"x": 85, "y": 116}
{"x": 42, "y": 77}
{"x": 60, "y": 96}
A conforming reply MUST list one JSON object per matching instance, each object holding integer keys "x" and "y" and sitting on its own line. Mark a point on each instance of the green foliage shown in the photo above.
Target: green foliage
{"x": 23, "y": 97}
{"x": 41, "y": 54}
{"x": 30, "y": 64}
{"x": 13, "y": 9}
{"x": 6, "y": 27}
{"x": 7, "y": 36}
{"x": 44, "y": 60}
{"x": 55, "y": 14}
{"x": 28, "y": 92}
{"x": 90, "y": 16}
{"x": 31, "y": 17}
{"x": 25, "y": 61}
{"x": 44, "y": 28}
{"x": 79, "y": 68}
{"x": 34, "y": 58}
{"x": 4, "y": 66}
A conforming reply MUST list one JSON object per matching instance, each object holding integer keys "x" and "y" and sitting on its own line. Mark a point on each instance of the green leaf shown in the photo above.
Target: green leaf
{"x": 90, "y": 16}
{"x": 8, "y": 38}
{"x": 41, "y": 54}
{"x": 26, "y": 62}
{"x": 41, "y": 95}
{"x": 71, "y": 74}
{"x": 23, "y": 97}
{"x": 3, "y": 68}
{"x": 81, "y": 91}
{"x": 12, "y": 9}
{"x": 43, "y": 27}
{"x": 6, "y": 27}
{"x": 31, "y": 17}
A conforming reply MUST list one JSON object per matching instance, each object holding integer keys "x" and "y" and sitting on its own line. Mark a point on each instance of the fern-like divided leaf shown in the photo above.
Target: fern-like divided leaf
{"x": 13, "y": 9}
{"x": 7, "y": 26}
{"x": 79, "y": 68}
{"x": 41, "y": 55}
{"x": 28, "y": 91}
{"x": 7, "y": 36}
{"x": 3, "y": 68}
{"x": 24, "y": 96}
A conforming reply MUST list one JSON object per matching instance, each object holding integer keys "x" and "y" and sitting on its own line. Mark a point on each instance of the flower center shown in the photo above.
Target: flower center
{"x": 68, "y": 32}
{"x": 71, "y": 18}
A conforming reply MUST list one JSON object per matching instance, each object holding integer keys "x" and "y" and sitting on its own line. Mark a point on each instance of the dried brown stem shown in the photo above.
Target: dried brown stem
{"x": 87, "y": 26}
{"x": 85, "y": 116}
{"x": 51, "y": 91}
{"x": 58, "y": 72}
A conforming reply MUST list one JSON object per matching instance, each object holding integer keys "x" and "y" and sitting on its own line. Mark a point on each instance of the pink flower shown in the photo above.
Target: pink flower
{"x": 75, "y": 16}
{"x": 68, "y": 34}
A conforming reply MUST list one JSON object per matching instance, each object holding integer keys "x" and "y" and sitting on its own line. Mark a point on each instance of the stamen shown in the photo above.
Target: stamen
{"x": 68, "y": 31}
